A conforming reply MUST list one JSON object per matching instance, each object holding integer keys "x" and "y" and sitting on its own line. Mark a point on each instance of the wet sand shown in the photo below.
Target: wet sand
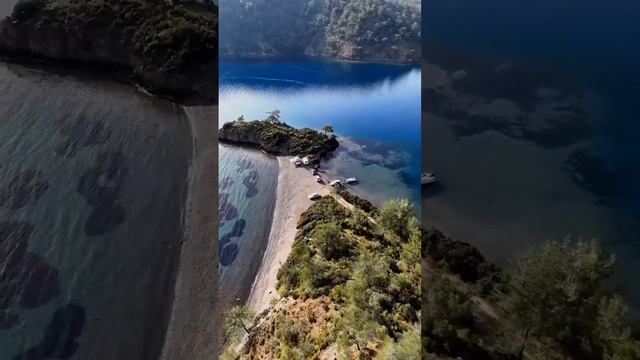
{"x": 193, "y": 328}
{"x": 294, "y": 186}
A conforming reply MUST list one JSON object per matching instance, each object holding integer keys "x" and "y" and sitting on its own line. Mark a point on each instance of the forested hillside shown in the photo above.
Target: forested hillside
{"x": 552, "y": 304}
{"x": 350, "y": 289}
{"x": 346, "y": 29}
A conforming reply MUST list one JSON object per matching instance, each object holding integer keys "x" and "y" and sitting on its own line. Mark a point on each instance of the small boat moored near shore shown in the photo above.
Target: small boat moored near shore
{"x": 335, "y": 183}
{"x": 427, "y": 178}
{"x": 315, "y": 196}
{"x": 351, "y": 180}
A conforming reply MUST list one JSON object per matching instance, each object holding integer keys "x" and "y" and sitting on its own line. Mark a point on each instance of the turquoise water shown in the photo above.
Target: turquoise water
{"x": 247, "y": 191}
{"x": 373, "y": 108}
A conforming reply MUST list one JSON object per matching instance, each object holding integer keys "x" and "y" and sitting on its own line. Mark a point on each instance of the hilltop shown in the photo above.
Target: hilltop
{"x": 370, "y": 30}
{"x": 168, "y": 47}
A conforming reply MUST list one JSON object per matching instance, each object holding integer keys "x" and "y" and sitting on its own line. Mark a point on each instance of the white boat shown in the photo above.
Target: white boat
{"x": 319, "y": 179}
{"x": 306, "y": 160}
{"x": 315, "y": 196}
{"x": 427, "y": 178}
{"x": 351, "y": 180}
{"x": 335, "y": 182}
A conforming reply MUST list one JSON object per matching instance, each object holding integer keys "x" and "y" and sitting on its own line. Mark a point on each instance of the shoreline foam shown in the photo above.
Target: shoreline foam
{"x": 192, "y": 330}
{"x": 294, "y": 186}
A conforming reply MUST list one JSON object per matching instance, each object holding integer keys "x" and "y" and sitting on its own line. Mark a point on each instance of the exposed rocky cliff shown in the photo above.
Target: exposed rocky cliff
{"x": 169, "y": 49}
{"x": 278, "y": 138}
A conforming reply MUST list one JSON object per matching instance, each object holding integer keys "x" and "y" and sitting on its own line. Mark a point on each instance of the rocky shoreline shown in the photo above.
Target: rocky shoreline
{"x": 120, "y": 38}
{"x": 277, "y": 138}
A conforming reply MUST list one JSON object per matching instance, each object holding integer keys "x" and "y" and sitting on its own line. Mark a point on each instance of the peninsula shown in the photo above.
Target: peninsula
{"x": 169, "y": 48}
{"x": 278, "y": 138}
{"x": 339, "y": 275}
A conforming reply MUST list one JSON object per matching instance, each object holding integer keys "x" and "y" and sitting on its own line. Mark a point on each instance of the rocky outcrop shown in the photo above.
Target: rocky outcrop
{"x": 278, "y": 138}
{"x": 105, "y": 35}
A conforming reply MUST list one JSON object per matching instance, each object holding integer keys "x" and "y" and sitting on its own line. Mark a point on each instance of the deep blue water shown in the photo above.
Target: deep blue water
{"x": 583, "y": 168}
{"x": 374, "y": 108}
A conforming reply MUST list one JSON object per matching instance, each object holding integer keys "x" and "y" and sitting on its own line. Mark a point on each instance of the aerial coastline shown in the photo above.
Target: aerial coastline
{"x": 193, "y": 325}
{"x": 308, "y": 201}
{"x": 58, "y": 36}
{"x": 132, "y": 47}
{"x": 294, "y": 186}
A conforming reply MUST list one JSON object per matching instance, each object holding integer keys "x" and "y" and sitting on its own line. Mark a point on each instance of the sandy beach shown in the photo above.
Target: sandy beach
{"x": 193, "y": 328}
{"x": 294, "y": 186}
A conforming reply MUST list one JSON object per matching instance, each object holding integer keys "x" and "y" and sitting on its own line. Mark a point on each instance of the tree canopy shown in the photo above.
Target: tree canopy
{"x": 339, "y": 28}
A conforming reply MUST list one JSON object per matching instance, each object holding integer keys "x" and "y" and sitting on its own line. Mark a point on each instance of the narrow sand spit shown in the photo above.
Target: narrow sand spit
{"x": 294, "y": 187}
{"x": 192, "y": 331}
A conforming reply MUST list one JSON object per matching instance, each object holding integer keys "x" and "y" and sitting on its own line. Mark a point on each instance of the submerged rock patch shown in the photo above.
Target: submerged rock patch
{"x": 81, "y": 133}
{"x": 40, "y": 282}
{"x": 226, "y": 183}
{"x": 226, "y": 210}
{"x": 228, "y": 254}
{"x": 243, "y": 165}
{"x": 27, "y": 280}
{"x": 228, "y": 251}
{"x": 26, "y": 188}
{"x": 60, "y": 338}
{"x": 251, "y": 183}
{"x": 101, "y": 187}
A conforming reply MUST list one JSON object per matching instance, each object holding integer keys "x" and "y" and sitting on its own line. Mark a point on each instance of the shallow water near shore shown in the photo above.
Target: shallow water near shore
{"x": 532, "y": 130}
{"x": 375, "y": 112}
{"x": 247, "y": 194}
{"x": 92, "y": 187}
{"x": 373, "y": 108}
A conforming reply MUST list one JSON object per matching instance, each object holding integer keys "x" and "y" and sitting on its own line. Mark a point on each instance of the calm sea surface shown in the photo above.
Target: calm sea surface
{"x": 92, "y": 186}
{"x": 532, "y": 125}
{"x": 247, "y": 189}
{"x": 373, "y": 108}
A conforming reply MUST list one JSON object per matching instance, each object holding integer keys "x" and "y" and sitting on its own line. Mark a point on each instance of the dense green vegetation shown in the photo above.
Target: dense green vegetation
{"x": 551, "y": 305}
{"x": 279, "y": 138}
{"x": 163, "y": 36}
{"x": 349, "y": 287}
{"x": 360, "y": 203}
{"x": 356, "y": 29}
